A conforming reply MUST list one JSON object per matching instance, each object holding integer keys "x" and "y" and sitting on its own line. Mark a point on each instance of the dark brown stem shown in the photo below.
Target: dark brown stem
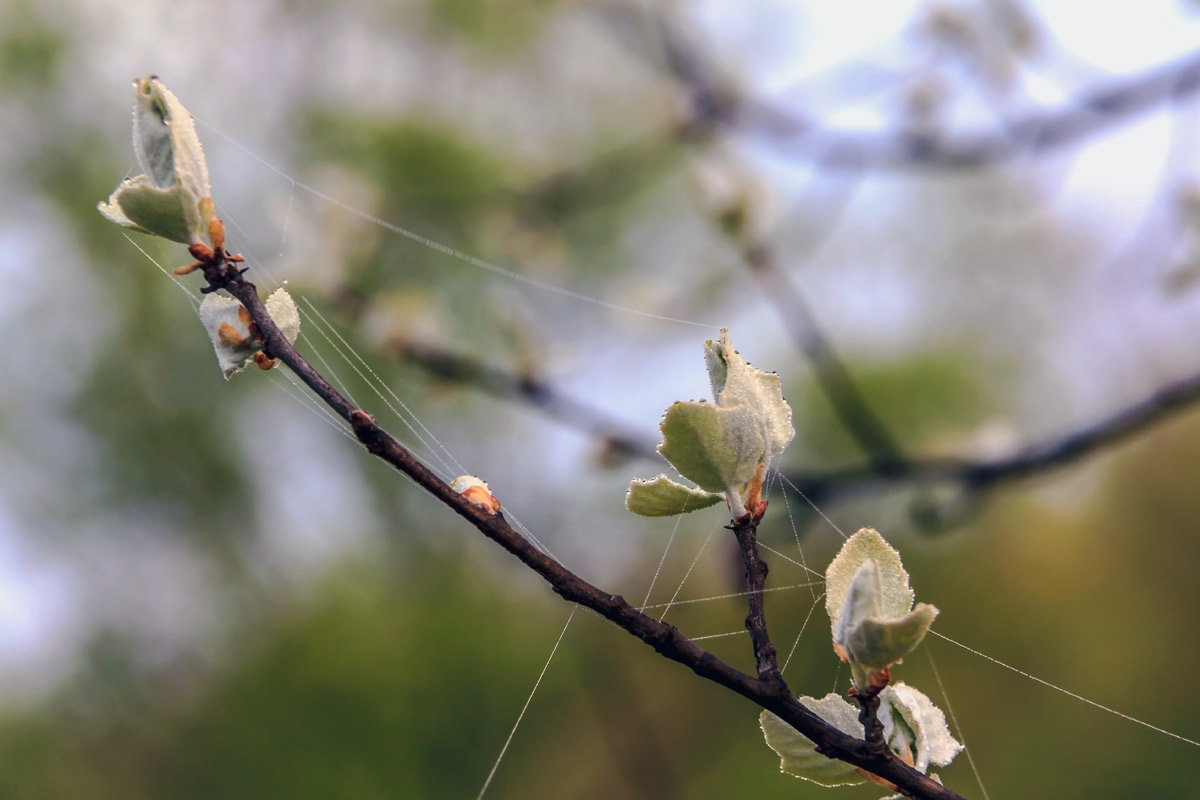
{"x": 868, "y": 715}
{"x": 746, "y": 531}
{"x": 665, "y": 639}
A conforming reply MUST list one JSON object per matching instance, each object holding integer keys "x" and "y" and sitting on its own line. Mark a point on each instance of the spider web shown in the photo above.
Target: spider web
{"x": 792, "y": 576}
{"x": 690, "y": 546}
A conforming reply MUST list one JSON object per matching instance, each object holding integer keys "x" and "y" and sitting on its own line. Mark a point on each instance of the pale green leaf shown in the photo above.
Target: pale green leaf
{"x": 736, "y": 383}
{"x": 216, "y": 311}
{"x": 878, "y": 643}
{"x": 913, "y": 727}
{"x": 663, "y": 497}
{"x": 165, "y": 140}
{"x": 236, "y": 346}
{"x": 797, "y": 753}
{"x": 138, "y": 205}
{"x": 922, "y": 723}
{"x": 895, "y": 597}
{"x": 171, "y": 198}
{"x": 717, "y": 448}
{"x": 284, "y": 313}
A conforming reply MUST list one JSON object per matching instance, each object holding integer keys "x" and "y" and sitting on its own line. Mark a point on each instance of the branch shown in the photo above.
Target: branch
{"x": 979, "y": 475}
{"x": 665, "y": 639}
{"x": 529, "y": 389}
{"x": 746, "y": 531}
{"x": 831, "y": 374}
{"x": 823, "y": 487}
{"x": 714, "y": 105}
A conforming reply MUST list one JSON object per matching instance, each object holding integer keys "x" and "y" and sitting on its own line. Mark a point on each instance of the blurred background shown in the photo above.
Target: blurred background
{"x": 967, "y": 235}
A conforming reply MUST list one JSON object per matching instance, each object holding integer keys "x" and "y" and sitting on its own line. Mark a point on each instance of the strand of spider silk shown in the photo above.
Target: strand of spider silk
{"x": 731, "y": 595}
{"x": 455, "y": 253}
{"x": 661, "y": 561}
{"x": 303, "y": 396}
{"x": 803, "y": 627}
{"x": 787, "y": 508}
{"x": 792, "y": 561}
{"x": 327, "y": 369}
{"x": 687, "y": 574}
{"x": 1067, "y": 692}
{"x": 383, "y": 392}
{"x": 741, "y": 632}
{"x": 312, "y": 315}
{"x": 812, "y": 505}
{"x": 937, "y": 676}
{"x": 504, "y": 749}
{"x": 183, "y": 287}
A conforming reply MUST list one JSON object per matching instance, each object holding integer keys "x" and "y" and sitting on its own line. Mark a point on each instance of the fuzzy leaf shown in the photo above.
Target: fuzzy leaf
{"x": 894, "y": 594}
{"x": 662, "y": 497}
{"x": 138, "y": 205}
{"x": 171, "y": 198}
{"x": 877, "y": 643}
{"x": 922, "y": 723}
{"x": 284, "y": 313}
{"x": 717, "y": 448}
{"x": 216, "y": 312}
{"x": 165, "y": 140}
{"x": 227, "y": 323}
{"x": 736, "y": 383}
{"x": 797, "y": 753}
{"x": 913, "y": 727}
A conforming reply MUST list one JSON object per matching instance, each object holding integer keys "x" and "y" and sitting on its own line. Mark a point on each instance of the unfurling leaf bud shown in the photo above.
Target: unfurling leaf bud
{"x": 476, "y": 492}
{"x": 171, "y": 198}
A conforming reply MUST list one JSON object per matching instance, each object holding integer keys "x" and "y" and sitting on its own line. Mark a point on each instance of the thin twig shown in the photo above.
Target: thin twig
{"x": 665, "y": 639}
{"x": 746, "y": 531}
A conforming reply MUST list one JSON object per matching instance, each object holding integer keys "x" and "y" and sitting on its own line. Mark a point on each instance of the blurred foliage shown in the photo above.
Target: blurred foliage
{"x": 930, "y": 397}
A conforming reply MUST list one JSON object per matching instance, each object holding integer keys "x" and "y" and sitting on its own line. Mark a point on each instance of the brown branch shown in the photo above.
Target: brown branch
{"x": 665, "y": 639}
{"x": 746, "y": 531}
{"x": 832, "y": 375}
{"x": 980, "y": 475}
{"x": 715, "y": 105}
{"x": 974, "y": 475}
{"x": 529, "y": 389}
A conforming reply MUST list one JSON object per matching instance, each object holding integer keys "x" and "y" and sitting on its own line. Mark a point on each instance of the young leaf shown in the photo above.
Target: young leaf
{"x": 874, "y": 623}
{"x": 895, "y": 595}
{"x": 171, "y": 198}
{"x": 235, "y": 340}
{"x": 722, "y": 447}
{"x": 662, "y": 497}
{"x": 284, "y": 313}
{"x": 736, "y": 383}
{"x": 718, "y": 448}
{"x": 798, "y": 755}
{"x": 913, "y": 727}
{"x": 922, "y": 724}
